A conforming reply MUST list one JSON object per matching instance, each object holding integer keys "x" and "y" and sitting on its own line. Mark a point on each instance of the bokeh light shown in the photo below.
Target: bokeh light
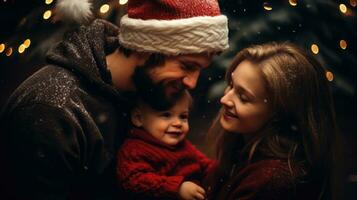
{"x": 123, "y": 2}
{"x": 8, "y": 51}
{"x": 343, "y": 8}
{"x": 48, "y": 2}
{"x": 343, "y": 44}
{"x": 315, "y": 48}
{"x": 21, "y": 48}
{"x": 27, "y": 43}
{"x": 267, "y": 6}
{"x": 2, "y": 48}
{"x": 104, "y": 8}
{"x": 293, "y": 2}
{"x": 329, "y": 75}
{"x": 47, "y": 14}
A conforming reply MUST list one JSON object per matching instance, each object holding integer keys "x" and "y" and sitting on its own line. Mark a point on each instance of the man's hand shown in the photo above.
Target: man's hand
{"x": 191, "y": 191}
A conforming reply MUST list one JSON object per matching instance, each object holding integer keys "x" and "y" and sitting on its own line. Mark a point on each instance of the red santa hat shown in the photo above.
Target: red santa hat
{"x": 173, "y": 27}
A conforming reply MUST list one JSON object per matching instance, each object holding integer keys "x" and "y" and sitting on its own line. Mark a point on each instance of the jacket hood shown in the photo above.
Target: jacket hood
{"x": 83, "y": 51}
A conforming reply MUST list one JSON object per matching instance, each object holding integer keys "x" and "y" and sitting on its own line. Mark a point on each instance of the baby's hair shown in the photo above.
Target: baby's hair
{"x": 140, "y": 104}
{"x": 183, "y": 94}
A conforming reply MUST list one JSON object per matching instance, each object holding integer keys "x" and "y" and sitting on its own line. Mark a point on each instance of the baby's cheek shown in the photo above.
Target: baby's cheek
{"x": 187, "y": 128}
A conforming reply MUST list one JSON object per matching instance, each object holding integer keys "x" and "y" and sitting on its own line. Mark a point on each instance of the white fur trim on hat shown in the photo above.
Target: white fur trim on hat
{"x": 173, "y": 37}
{"x": 78, "y": 11}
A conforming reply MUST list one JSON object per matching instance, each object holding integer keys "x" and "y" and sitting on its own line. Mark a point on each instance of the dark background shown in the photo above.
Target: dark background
{"x": 321, "y": 22}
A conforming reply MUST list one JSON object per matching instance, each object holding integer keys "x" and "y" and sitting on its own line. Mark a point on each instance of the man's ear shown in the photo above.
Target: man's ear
{"x": 136, "y": 118}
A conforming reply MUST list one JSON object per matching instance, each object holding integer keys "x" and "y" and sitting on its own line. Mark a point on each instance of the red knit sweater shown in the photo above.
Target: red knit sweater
{"x": 150, "y": 169}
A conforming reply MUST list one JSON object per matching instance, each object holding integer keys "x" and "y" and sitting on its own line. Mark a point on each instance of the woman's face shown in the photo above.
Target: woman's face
{"x": 246, "y": 108}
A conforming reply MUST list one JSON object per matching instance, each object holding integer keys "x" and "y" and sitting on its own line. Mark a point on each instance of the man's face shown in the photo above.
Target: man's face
{"x": 179, "y": 72}
{"x": 160, "y": 85}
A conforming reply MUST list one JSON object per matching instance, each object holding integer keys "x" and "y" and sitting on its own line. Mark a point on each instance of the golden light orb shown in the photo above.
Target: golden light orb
{"x": 2, "y": 47}
{"x": 315, "y": 48}
{"x": 293, "y": 2}
{"x": 8, "y": 51}
{"x": 329, "y": 76}
{"x": 343, "y": 8}
{"x": 48, "y": 2}
{"x": 21, "y": 48}
{"x": 343, "y": 44}
{"x": 104, "y": 8}
{"x": 267, "y": 6}
{"x": 27, "y": 43}
{"x": 47, "y": 14}
{"x": 123, "y": 2}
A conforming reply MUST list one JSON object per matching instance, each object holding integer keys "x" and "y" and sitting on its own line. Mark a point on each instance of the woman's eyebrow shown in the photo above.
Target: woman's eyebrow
{"x": 245, "y": 90}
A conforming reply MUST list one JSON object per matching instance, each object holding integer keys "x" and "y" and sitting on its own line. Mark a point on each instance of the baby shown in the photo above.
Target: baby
{"x": 156, "y": 161}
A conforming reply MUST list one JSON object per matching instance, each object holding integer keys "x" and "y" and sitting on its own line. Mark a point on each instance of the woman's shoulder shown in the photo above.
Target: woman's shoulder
{"x": 269, "y": 178}
{"x": 266, "y": 167}
{"x": 279, "y": 179}
{"x": 266, "y": 179}
{"x": 268, "y": 173}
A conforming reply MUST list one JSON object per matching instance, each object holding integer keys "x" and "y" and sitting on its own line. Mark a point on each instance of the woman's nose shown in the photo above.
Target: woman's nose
{"x": 226, "y": 101}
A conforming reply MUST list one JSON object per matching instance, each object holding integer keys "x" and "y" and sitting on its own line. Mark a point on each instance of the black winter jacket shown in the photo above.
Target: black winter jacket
{"x": 62, "y": 126}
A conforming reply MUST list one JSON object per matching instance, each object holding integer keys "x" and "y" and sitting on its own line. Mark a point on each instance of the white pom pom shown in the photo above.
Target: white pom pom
{"x": 78, "y": 11}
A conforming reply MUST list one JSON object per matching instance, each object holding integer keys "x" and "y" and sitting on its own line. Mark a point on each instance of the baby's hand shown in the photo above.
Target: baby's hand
{"x": 189, "y": 190}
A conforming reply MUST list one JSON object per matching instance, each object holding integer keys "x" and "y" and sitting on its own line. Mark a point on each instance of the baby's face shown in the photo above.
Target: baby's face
{"x": 170, "y": 126}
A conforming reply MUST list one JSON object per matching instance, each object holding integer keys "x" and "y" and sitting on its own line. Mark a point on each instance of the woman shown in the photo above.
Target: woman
{"x": 277, "y": 129}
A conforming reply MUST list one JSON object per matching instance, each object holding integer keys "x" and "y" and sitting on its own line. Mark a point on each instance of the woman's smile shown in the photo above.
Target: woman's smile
{"x": 229, "y": 115}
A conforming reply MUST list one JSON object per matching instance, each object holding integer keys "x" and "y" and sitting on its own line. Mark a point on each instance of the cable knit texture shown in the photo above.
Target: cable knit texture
{"x": 174, "y": 27}
{"x": 268, "y": 179}
{"x": 183, "y": 36}
{"x": 149, "y": 169}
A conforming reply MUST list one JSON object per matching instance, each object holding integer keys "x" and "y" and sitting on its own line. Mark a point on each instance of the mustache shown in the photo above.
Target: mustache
{"x": 178, "y": 85}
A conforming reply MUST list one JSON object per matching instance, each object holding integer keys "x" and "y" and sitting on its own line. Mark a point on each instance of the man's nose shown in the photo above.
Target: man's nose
{"x": 190, "y": 80}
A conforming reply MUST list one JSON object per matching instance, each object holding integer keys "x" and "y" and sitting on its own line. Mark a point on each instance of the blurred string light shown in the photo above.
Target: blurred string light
{"x": 329, "y": 76}
{"x": 343, "y": 8}
{"x": 27, "y": 43}
{"x": 267, "y": 6}
{"x": 47, "y": 14}
{"x": 293, "y": 2}
{"x": 315, "y": 48}
{"x": 123, "y": 2}
{"x": 104, "y": 8}
{"x": 2, "y": 47}
{"x": 8, "y": 51}
{"x": 21, "y": 48}
{"x": 343, "y": 44}
{"x": 353, "y": 3}
{"x": 48, "y": 2}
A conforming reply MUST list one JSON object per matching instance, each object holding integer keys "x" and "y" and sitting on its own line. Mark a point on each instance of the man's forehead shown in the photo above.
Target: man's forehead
{"x": 203, "y": 59}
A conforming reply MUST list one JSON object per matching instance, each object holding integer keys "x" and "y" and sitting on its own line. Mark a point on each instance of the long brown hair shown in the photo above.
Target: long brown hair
{"x": 303, "y": 132}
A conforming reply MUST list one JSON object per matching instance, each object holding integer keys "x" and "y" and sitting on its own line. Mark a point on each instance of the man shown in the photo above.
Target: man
{"x": 64, "y": 124}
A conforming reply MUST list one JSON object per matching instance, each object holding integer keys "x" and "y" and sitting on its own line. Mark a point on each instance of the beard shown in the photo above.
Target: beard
{"x": 155, "y": 94}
